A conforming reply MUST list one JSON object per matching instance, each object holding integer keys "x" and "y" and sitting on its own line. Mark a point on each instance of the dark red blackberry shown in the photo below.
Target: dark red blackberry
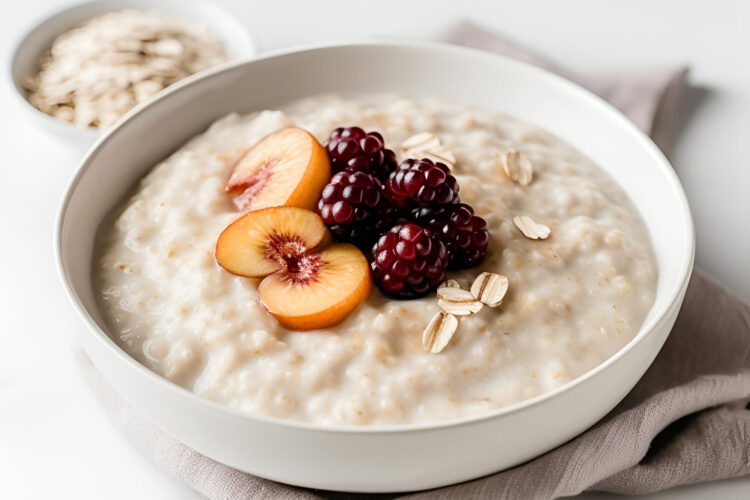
{"x": 354, "y": 208}
{"x": 408, "y": 261}
{"x": 355, "y": 150}
{"x": 424, "y": 182}
{"x": 464, "y": 233}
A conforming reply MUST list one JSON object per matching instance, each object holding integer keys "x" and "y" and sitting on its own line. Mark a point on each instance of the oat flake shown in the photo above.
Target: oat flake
{"x": 439, "y": 332}
{"x": 531, "y": 228}
{"x": 427, "y": 145}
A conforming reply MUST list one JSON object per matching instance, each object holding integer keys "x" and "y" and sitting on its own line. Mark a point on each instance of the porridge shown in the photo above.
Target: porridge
{"x": 570, "y": 249}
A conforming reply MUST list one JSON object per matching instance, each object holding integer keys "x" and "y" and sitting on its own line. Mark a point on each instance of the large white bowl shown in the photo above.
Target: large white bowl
{"x": 390, "y": 458}
{"x": 36, "y": 41}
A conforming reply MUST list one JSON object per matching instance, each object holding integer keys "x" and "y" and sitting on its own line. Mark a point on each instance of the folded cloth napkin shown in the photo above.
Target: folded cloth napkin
{"x": 687, "y": 420}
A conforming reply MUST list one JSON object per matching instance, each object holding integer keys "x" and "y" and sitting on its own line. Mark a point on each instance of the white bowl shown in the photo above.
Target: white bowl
{"x": 34, "y": 43}
{"x": 388, "y": 458}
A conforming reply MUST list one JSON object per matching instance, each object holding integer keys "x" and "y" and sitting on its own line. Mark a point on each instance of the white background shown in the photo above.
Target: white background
{"x": 54, "y": 440}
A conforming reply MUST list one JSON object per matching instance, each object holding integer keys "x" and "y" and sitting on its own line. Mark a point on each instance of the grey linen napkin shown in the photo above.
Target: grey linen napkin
{"x": 687, "y": 419}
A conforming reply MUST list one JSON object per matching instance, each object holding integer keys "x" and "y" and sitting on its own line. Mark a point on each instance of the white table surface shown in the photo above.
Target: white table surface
{"x": 55, "y": 441}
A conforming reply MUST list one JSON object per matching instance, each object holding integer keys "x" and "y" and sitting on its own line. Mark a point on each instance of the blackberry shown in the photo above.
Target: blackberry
{"x": 408, "y": 261}
{"x": 354, "y": 208}
{"x": 423, "y": 182}
{"x": 355, "y": 150}
{"x": 464, "y": 233}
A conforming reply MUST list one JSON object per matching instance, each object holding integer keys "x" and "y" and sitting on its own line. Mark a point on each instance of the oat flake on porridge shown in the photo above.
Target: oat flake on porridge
{"x": 175, "y": 310}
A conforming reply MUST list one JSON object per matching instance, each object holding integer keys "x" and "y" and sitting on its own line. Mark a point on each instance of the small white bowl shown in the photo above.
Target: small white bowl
{"x": 395, "y": 457}
{"x": 37, "y": 40}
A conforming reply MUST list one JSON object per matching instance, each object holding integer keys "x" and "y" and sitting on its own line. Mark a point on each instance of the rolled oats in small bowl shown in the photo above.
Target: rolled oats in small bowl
{"x": 90, "y": 64}
{"x": 95, "y": 73}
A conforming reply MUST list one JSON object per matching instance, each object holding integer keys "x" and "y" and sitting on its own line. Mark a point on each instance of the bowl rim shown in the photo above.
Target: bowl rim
{"x": 250, "y": 50}
{"x": 674, "y": 292}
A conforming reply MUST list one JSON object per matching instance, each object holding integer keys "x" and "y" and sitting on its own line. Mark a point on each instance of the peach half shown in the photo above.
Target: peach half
{"x": 306, "y": 285}
{"x": 286, "y": 168}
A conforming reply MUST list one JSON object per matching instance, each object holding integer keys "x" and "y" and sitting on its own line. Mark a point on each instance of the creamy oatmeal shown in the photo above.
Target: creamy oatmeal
{"x": 574, "y": 299}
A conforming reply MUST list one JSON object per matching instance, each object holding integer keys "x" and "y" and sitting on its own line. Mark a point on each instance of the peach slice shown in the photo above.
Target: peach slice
{"x": 307, "y": 284}
{"x": 287, "y": 168}
{"x": 256, "y": 244}
{"x": 321, "y": 292}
